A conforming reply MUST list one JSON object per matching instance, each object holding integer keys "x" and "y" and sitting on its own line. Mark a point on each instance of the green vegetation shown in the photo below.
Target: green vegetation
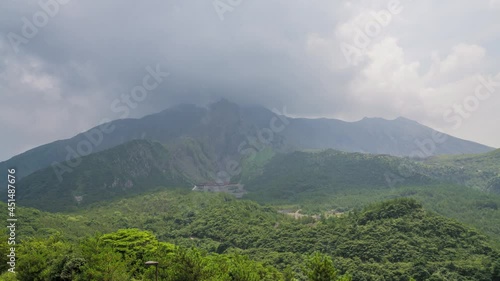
{"x": 192, "y": 159}
{"x": 221, "y": 238}
{"x": 481, "y": 171}
{"x": 122, "y": 255}
{"x": 270, "y": 177}
{"x": 469, "y": 206}
{"x": 288, "y": 175}
{"x": 128, "y": 169}
{"x": 254, "y": 165}
{"x": 332, "y": 182}
{"x": 355, "y": 216}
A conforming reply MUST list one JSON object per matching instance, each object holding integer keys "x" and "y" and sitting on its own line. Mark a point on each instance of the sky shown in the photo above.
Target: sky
{"x": 68, "y": 65}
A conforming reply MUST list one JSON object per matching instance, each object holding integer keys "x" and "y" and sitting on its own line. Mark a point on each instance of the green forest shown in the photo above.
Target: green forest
{"x": 305, "y": 215}
{"x": 210, "y": 236}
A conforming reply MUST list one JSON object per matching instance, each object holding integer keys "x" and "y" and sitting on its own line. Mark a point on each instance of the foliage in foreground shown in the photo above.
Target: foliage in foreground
{"x": 394, "y": 240}
{"x": 121, "y": 256}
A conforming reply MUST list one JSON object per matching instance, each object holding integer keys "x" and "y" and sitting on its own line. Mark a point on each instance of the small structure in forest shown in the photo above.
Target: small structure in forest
{"x": 235, "y": 189}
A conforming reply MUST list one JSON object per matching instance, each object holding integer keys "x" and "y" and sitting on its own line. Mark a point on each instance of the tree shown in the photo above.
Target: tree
{"x": 4, "y": 249}
{"x": 186, "y": 265}
{"x": 42, "y": 259}
{"x": 72, "y": 268}
{"x": 102, "y": 262}
{"x": 320, "y": 268}
{"x": 495, "y": 273}
{"x": 288, "y": 274}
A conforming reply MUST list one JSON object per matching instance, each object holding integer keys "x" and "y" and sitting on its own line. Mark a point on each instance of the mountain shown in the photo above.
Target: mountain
{"x": 219, "y": 127}
{"x": 293, "y": 175}
{"x": 127, "y": 169}
{"x": 312, "y": 182}
{"x": 229, "y": 131}
{"x": 289, "y": 176}
{"x": 142, "y": 165}
{"x": 399, "y": 137}
{"x": 480, "y": 171}
{"x": 146, "y": 184}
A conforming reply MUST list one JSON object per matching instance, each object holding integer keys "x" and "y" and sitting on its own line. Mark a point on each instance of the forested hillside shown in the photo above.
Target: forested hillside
{"x": 334, "y": 182}
{"x": 481, "y": 171}
{"x": 125, "y": 170}
{"x": 394, "y": 240}
{"x": 288, "y": 176}
{"x": 308, "y": 214}
{"x": 313, "y": 182}
{"x": 231, "y": 140}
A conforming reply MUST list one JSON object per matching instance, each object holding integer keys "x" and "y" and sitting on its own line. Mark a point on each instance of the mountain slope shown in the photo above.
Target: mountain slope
{"x": 392, "y": 240}
{"x": 314, "y": 182}
{"x": 481, "y": 171}
{"x": 399, "y": 137}
{"x": 288, "y": 176}
{"x": 226, "y": 129}
{"x": 219, "y": 128}
{"x": 127, "y": 169}
{"x": 333, "y": 181}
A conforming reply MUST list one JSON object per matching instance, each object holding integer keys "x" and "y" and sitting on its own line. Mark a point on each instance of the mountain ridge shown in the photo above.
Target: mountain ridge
{"x": 126, "y": 169}
{"x": 225, "y": 127}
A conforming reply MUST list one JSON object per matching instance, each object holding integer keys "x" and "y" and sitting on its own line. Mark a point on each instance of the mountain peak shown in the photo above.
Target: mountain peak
{"x": 401, "y": 118}
{"x": 223, "y": 103}
{"x": 404, "y": 119}
{"x": 397, "y": 119}
{"x": 226, "y": 126}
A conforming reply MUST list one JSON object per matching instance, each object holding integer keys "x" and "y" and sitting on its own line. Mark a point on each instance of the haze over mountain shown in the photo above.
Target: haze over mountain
{"x": 63, "y": 81}
{"x": 229, "y": 131}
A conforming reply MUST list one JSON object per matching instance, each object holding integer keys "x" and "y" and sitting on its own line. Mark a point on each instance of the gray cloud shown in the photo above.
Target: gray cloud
{"x": 273, "y": 53}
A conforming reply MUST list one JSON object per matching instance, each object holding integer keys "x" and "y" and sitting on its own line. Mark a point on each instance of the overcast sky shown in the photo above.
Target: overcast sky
{"x": 62, "y": 66}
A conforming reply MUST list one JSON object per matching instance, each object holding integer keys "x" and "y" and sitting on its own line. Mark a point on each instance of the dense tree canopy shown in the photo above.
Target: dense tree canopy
{"x": 202, "y": 236}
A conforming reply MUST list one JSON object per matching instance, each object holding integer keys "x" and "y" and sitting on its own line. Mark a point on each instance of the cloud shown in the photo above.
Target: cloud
{"x": 495, "y": 4}
{"x": 390, "y": 85}
{"x": 271, "y": 53}
{"x": 462, "y": 58}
